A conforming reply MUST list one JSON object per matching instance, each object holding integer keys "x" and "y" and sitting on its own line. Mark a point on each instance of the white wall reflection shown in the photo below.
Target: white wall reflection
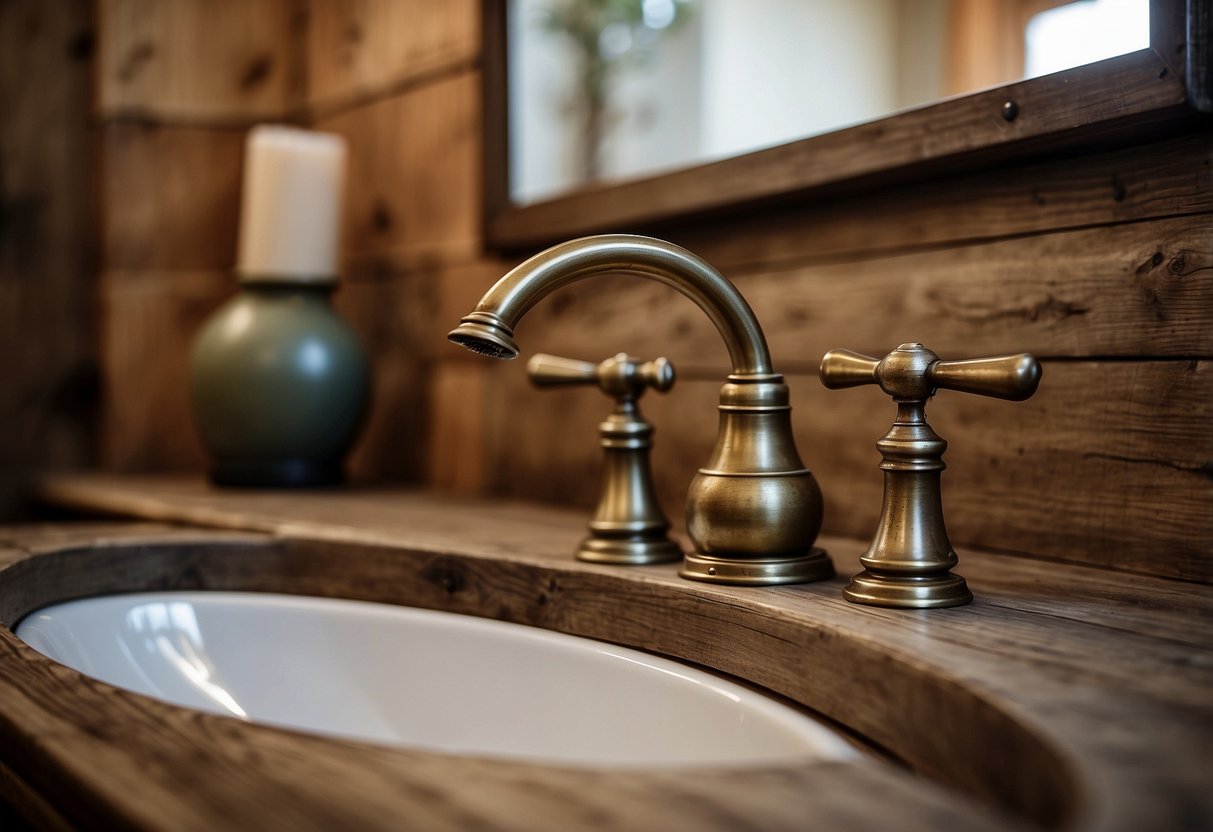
{"x": 1085, "y": 32}
{"x": 171, "y": 631}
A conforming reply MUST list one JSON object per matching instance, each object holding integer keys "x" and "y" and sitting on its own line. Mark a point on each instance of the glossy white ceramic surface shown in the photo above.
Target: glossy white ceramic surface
{"x": 423, "y": 679}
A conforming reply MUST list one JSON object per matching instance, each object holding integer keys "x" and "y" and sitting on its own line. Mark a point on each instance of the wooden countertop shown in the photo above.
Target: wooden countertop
{"x": 1063, "y": 697}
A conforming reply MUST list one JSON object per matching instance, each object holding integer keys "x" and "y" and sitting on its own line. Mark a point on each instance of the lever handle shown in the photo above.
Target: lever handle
{"x": 914, "y": 372}
{"x": 1013, "y": 377}
{"x": 620, "y": 376}
{"x": 844, "y": 368}
{"x": 629, "y": 527}
{"x": 552, "y": 371}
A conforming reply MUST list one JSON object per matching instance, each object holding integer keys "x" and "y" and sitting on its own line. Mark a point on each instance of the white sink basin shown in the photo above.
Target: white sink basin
{"x": 423, "y": 679}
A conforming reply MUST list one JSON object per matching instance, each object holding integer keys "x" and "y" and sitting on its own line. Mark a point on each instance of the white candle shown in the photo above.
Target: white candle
{"x": 291, "y": 205}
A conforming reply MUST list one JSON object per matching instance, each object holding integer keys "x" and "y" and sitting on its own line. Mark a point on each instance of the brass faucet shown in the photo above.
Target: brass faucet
{"x": 754, "y": 511}
{"x": 629, "y": 527}
{"x": 910, "y": 560}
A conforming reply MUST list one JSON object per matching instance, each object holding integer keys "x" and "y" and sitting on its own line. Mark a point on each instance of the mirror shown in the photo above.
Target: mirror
{"x": 610, "y": 90}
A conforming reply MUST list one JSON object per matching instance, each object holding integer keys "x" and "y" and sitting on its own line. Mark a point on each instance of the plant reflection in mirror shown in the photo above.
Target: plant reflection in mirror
{"x": 607, "y": 35}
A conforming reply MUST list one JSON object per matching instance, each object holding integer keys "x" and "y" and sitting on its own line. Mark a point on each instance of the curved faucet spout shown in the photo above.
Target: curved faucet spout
{"x": 490, "y": 328}
{"x": 754, "y": 511}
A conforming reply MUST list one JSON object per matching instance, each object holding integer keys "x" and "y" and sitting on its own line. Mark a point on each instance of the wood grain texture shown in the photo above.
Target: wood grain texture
{"x": 47, "y": 245}
{"x": 413, "y": 184}
{"x": 389, "y": 315}
{"x": 34, "y": 811}
{"x": 363, "y": 49}
{"x": 194, "y": 61}
{"x": 1121, "y": 96}
{"x": 149, "y": 323}
{"x": 495, "y": 118}
{"x": 427, "y": 420}
{"x": 458, "y": 417}
{"x": 1168, "y": 178}
{"x": 1039, "y": 698}
{"x": 170, "y": 197}
{"x": 1108, "y": 464}
{"x": 1124, "y": 290}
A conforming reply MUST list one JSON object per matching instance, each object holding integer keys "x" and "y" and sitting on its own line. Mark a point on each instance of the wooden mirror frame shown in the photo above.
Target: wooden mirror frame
{"x": 1135, "y": 94}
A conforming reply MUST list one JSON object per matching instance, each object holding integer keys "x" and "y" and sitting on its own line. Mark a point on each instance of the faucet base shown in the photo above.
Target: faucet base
{"x": 629, "y": 551}
{"x": 814, "y": 565}
{"x": 908, "y": 592}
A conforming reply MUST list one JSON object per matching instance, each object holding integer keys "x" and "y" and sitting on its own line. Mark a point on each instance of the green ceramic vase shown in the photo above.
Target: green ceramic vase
{"x": 280, "y": 387}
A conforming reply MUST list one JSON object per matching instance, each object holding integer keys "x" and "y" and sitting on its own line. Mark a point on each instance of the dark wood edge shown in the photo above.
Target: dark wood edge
{"x": 1123, "y": 97}
{"x": 36, "y": 810}
{"x": 1168, "y": 32}
{"x": 1198, "y": 63}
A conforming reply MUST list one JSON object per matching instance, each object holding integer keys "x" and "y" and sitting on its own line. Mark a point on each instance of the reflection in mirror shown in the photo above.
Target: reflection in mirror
{"x": 614, "y": 89}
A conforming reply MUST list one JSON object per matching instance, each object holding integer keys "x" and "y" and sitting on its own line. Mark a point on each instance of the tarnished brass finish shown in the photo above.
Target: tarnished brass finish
{"x": 753, "y": 508}
{"x": 909, "y": 561}
{"x": 754, "y": 511}
{"x": 629, "y": 527}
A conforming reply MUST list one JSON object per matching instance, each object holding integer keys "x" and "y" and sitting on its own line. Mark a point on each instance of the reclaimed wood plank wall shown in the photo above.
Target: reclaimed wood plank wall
{"x": 1097, "y": 260}
{"x": 176, "y": 87}
{"x": 48, "y": 387}
{"x": 400, "y": 81}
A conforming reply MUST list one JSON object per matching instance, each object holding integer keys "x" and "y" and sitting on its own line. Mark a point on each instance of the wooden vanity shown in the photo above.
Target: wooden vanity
{"x": 1063, "y": 697}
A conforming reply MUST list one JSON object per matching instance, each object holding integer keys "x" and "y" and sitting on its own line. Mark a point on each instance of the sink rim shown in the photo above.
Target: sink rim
{"x": 201, "y": 558}
{"x": 829, "y": 742}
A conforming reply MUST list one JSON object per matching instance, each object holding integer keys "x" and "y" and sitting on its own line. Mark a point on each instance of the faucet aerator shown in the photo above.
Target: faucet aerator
{"x": 483, "y": 338}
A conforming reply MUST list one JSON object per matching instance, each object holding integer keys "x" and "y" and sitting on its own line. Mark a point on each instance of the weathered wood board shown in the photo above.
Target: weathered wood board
{"x": 1139, "y": 289}
{"x": 48, "y": 233}
{"x": 413, "y": 179}
{"x": 194, "y": 61}
{"x": 357, "y": 51}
